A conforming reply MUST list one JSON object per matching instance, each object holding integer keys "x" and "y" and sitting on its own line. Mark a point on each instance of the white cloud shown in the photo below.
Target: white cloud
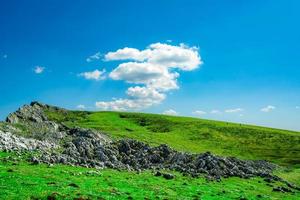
{"x": 268, "y": 108}
{"x": 235, "y": 110}
{"x": 39, "y": 69}
{"x": 153, "y": 65}
{"x": 154, "y": 69}
{"x": 139, "y": 98}
{"x": 80, "y": 107}
{"x": 127, "y": 54}
{"x": 170, "y": 112}
{"x": 5, "y": 56}
{"x": 170, "y": 56}
{"x": 134, "y": 72}
{"x": 145, "y": 93}
{"x": 93, "y": 75}
{"x": 215, "y": 112}
{"x": 94, "y": 57}
{"x": 153, "y": 76}
{"x": 199, "y": 112}
{"x": 125, "y": 104}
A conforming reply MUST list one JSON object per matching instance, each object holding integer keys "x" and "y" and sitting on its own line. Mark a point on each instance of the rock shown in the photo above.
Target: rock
{"x": 281, "y": 189}
{"x": 73, "y": 185}
{"x": 168, "y": 176}
{"x": 53, "y": 196}
{"x": 11, "y": 142}
{"x": 268, "y": 180}
{"x": 158, "y": 173}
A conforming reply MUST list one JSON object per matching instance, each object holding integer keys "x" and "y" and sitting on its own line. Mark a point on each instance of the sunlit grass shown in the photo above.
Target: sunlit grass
{"x": 21, "y": 180}
{"x": 192, "y": 134}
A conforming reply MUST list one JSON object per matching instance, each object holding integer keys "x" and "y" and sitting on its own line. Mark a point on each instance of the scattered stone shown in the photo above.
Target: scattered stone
{"x": 158, "y": 173}
{"x": 81, "y": 198}
{"x": 281, "y": 189}
{"x": 53, "y": 196}
{"x": 11, "y": 142}
{"x": 268, "y": 180}
{"x": 73, "y": 185}
{"x": 168, "y": 176}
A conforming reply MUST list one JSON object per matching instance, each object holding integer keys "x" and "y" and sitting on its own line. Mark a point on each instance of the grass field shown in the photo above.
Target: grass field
{"x": 20, "y": 180}
{"x": 192, "y": 134}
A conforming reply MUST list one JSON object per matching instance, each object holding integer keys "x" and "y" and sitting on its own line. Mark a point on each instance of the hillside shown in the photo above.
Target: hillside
{"x": 48, "y": 152}
{"x": 191, "y": 134}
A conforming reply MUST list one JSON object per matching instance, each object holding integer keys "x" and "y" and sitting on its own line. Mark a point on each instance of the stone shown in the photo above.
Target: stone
{"x": 168, "y": 176}
{"x": 73, "y": 185}
{"x": 158, "y": 173}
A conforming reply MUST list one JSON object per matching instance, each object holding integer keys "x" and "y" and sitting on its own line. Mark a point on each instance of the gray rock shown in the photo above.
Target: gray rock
{"x": 168, "y": 176}
{"x": 11, "y": 142}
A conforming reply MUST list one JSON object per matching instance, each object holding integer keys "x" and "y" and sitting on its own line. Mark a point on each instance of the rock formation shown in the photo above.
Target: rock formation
{"x": 57, "y": 143}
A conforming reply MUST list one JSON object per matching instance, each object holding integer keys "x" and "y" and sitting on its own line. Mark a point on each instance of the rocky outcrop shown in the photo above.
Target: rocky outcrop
{"x": 89, "y": 148}
{"x": 34, "y": 120}
{"x": 29, "y": 113}
{"x": 11, "y": 142}
{"x": 89, "y": 151}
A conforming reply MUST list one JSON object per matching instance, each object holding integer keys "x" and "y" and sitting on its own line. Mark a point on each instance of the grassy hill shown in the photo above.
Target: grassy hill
{"x": 192, "y": 134}
{"x": 20, "y": 179}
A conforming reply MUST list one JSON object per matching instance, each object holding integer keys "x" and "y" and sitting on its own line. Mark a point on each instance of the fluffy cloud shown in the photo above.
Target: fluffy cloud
{"x": 170, "y": 112}
{"x": 182, "y": 56}
{"x": 125, "y": 104}
{"x": 93, "y": 75}
{"x": 268, "y": 108}
{"x": 145, "y": 93}
{"x": 80, "y": 107}
{"x": 153, "y": 65}
{"x": 134, "y": 72}
{"x": 235, "y": 110}
{"x": 153, "y": 76}
{"x": 139, "y": 98}
{"x": 199, "y": 112}
{"x": 127, "y": 54}
{"x": 94, "y": 57}
{"x": 154, "y": 69}
{"x": 39, "y": 69}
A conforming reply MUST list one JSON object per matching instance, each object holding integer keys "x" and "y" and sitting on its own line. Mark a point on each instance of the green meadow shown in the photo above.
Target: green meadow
{"x": 21, "y": 180}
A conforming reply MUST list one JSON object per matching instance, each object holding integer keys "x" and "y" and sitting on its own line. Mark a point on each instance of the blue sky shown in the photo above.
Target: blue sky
{"x": 250, "y": 52}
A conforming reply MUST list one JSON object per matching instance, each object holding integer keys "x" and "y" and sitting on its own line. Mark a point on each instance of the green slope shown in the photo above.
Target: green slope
{"x": 21, "y": 180}
{"x": 192, "y": 134}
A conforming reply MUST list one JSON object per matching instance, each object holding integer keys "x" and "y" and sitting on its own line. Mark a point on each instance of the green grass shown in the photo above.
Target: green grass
{"x": 20, "y": 180}
{"x": 192, "y": 134}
